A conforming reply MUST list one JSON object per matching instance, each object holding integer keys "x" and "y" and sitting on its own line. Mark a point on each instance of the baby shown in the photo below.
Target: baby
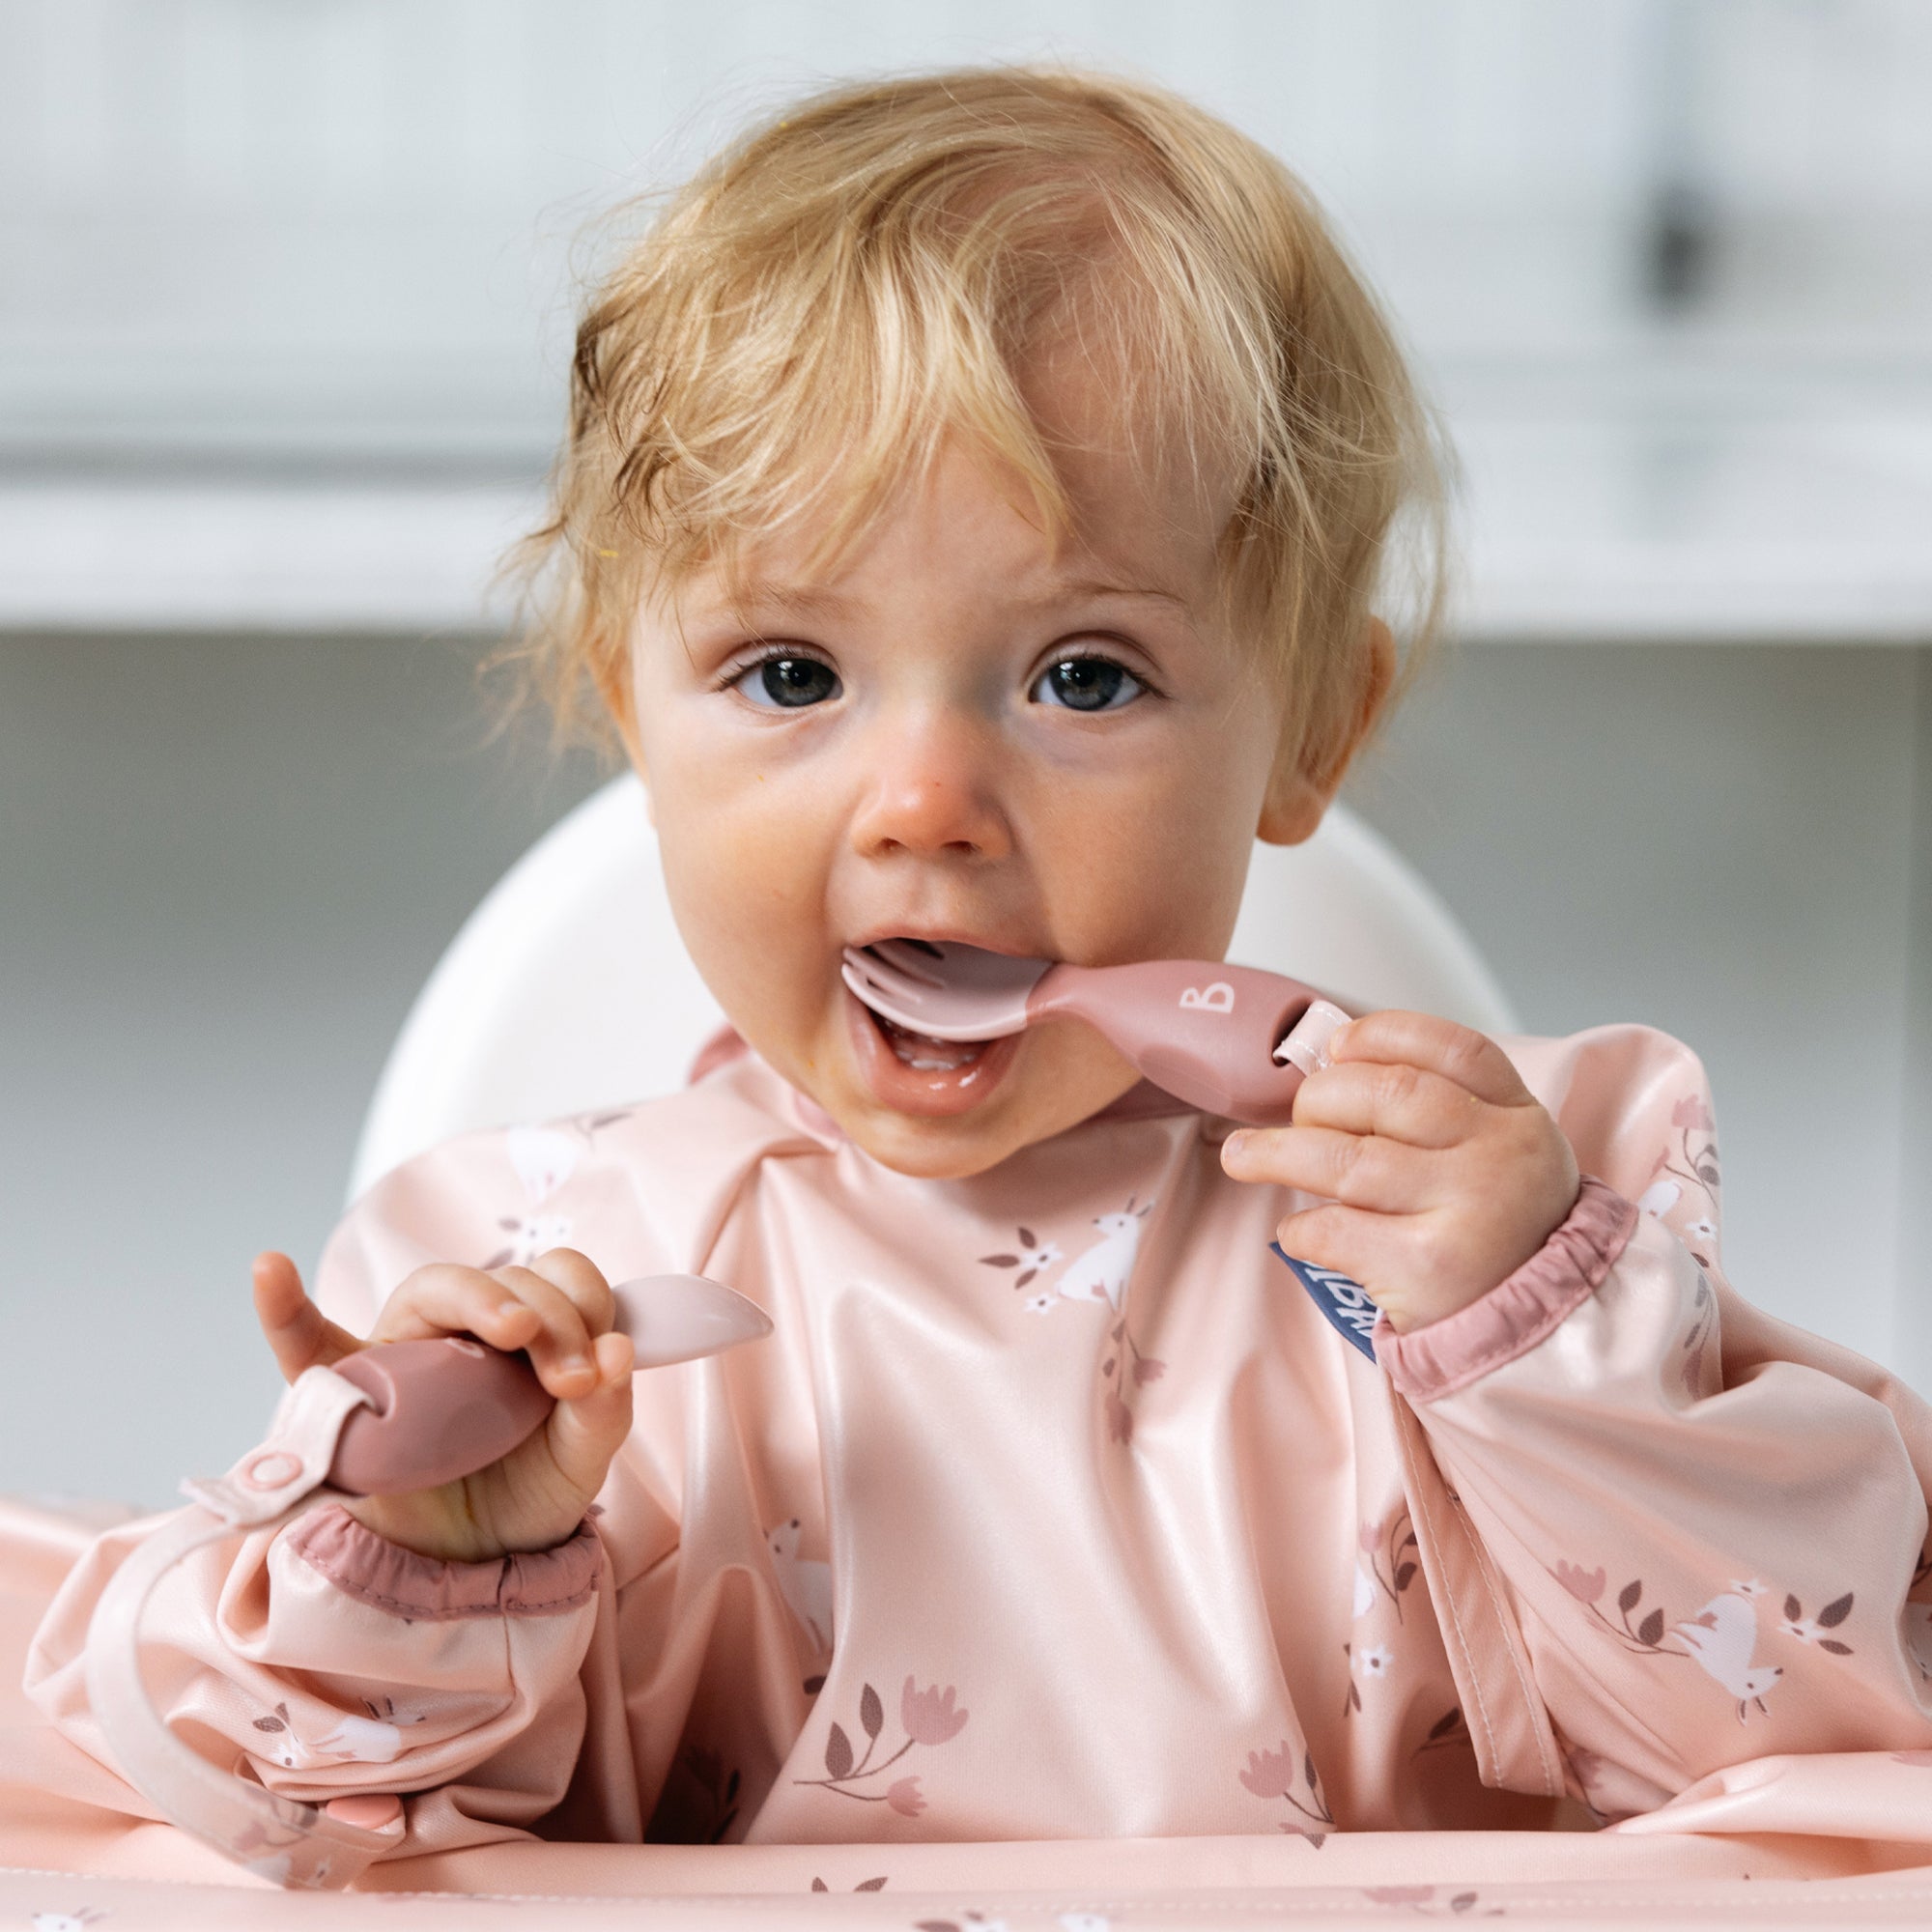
{"x": 975, "y": 503}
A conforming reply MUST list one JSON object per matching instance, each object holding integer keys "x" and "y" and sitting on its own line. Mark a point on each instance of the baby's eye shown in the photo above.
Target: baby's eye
{"x": 1086, "y": 684}
{"x": 787, "y": 683}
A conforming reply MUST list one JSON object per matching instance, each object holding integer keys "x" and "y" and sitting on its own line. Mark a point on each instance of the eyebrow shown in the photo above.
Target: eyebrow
{"x": 1100, "y": 587}
{"x": 803, "y": 600}
{"x": 806, "y": 600}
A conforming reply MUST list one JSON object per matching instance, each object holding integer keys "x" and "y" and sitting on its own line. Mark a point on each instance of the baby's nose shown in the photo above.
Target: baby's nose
{"x": 933, "y": 790}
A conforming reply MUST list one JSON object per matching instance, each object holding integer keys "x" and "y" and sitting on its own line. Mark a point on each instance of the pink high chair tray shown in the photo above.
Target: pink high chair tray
{"x": 1824, "y": 1842}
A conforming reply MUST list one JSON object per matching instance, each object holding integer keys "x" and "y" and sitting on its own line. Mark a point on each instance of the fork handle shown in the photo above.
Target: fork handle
{"x": 1202, "y": 1030}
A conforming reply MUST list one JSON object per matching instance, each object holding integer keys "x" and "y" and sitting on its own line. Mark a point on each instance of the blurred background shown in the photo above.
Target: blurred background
{"x": 286, "y": 289}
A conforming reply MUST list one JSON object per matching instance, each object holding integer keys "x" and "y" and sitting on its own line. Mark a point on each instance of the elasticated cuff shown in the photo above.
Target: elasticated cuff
{"x": 1520, "y": 1311}
{"x": 425, "y": 1589}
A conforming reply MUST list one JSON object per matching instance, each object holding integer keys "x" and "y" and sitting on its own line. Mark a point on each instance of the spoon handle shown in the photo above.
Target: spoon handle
{"x": 446, "y": 1406}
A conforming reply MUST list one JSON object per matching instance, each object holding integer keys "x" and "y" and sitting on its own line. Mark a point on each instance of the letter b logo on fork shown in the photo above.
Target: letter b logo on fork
{"x": 1219, "y": 997}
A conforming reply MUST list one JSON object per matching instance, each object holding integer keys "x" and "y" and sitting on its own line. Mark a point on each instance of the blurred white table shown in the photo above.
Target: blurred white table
{"x": 1598, "y": 516}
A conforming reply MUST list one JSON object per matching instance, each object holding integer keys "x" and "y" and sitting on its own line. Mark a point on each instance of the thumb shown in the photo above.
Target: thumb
{"x": 299, "y": 1333}
{"x": 587, "y": 1431}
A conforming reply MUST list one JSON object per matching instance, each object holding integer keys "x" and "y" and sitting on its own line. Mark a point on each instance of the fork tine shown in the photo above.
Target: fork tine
{"x": 911, "y": 960}
{"x": 921, "y": 1013}
{"x": 868, "y": 994}
{"x": 887, "y": 980}
{"x": 896, "y": 1000}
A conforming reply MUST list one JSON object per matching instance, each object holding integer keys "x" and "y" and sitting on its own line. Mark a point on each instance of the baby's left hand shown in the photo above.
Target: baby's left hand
{"x": 1443, "y": 1173}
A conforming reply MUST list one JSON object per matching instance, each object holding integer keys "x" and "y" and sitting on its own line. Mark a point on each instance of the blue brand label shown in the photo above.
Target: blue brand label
{"x": 1344, "y": 1302}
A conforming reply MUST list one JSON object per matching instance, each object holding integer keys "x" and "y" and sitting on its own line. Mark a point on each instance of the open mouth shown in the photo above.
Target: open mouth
{"x": 915, "y": 1074}
{"x": 925, "y": 1054}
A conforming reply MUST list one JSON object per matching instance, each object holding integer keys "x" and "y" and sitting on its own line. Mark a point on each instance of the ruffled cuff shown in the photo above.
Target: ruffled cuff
{"x": 425, "y": 1589}
{"x": 1520, "y": 1311}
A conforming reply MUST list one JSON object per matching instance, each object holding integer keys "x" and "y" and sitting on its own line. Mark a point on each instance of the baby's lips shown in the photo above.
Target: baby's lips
{"x": 677, "y": 1318}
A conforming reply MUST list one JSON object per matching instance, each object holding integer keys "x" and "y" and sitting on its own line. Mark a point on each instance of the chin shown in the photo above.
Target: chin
{"x": 955, "y": 1146}
{"x": 930, "y": 1151}
{"x": 1040, "y": 1083}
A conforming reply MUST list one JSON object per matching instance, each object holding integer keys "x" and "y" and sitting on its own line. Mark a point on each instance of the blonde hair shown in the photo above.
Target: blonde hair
{"x": 856, "y": 278}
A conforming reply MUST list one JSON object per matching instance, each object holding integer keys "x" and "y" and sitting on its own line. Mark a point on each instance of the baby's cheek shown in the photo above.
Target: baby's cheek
{"x": 1071, "y": 1074}
{"x": 748, "y": 898}
{"x": 1134, "y": 882}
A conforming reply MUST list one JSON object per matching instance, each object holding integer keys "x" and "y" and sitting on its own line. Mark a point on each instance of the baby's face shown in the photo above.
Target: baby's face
{"x": 961, "y": 737}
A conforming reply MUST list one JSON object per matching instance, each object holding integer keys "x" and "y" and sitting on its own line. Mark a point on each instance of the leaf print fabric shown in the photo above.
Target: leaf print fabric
{"x": 1811, "y": 1630}
{"x": 1614, "y": 1537}
{"x": 1722, "y": 1638}
{"x": 1281, "y": 1773}
{"x": 1672, "y": 1466}
{"x": 926, "y": 1716}
{"x": 1390, "y": 1553}
{"x": 1685, "y": 1175}
{"x": 543, "y": 1159}
{"x": 1033, "y": 1255}
{"x": 1100, "y": 1273}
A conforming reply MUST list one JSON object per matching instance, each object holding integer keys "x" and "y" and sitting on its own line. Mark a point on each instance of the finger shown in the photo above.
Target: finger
{"x": 298, "y": 1332}
{"x": 509, "y": 1308}
{"x": 560, "y": 1350}
{"x": 1425, "y": 1041}
{"x": 1367, "y": 1248}
{"x": 1392, "y": 1098}
{"x": 1364, "y": 1170}
{"x": 582, "y": 1281}
{"x": 446, "y": 1298}
{"x": 589, "y": 1430}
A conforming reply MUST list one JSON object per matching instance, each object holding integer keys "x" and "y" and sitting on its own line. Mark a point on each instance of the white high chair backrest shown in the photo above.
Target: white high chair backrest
{"x": 569, "y": 988}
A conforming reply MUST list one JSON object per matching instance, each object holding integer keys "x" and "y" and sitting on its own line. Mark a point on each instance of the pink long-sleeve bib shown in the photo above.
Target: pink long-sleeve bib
{"x": 1054, "y": 1508}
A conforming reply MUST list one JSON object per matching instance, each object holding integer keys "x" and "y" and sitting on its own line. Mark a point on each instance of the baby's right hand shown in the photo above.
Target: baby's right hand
{"x": 559, "y": 1311}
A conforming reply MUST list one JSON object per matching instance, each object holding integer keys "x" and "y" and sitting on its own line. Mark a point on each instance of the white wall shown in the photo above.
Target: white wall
{"x": 346, "y": 224}
{"x": 226, "y": 864}
{"x": 1913, "y": 1351}
{"x": 1718, "y": 841}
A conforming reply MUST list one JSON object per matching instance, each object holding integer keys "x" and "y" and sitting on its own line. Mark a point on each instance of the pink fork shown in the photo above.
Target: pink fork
{"x": 1231, "y": 1040}
{"x": 1228, "y": 1039}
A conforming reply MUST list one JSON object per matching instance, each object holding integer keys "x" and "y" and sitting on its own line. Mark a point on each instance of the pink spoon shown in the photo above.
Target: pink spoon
{"x": 446, "y": 1408}
{"x": 437, "y": 1409}
{"x": 1230, "y": 1039}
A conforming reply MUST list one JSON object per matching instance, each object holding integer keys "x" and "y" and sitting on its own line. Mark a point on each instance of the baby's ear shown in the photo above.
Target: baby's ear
{"x": 1307, "y": 776}
{"x": 1293, "y": 808}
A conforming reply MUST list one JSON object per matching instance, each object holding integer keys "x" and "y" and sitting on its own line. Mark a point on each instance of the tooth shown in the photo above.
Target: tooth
{"x": 908, "y": 1045}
